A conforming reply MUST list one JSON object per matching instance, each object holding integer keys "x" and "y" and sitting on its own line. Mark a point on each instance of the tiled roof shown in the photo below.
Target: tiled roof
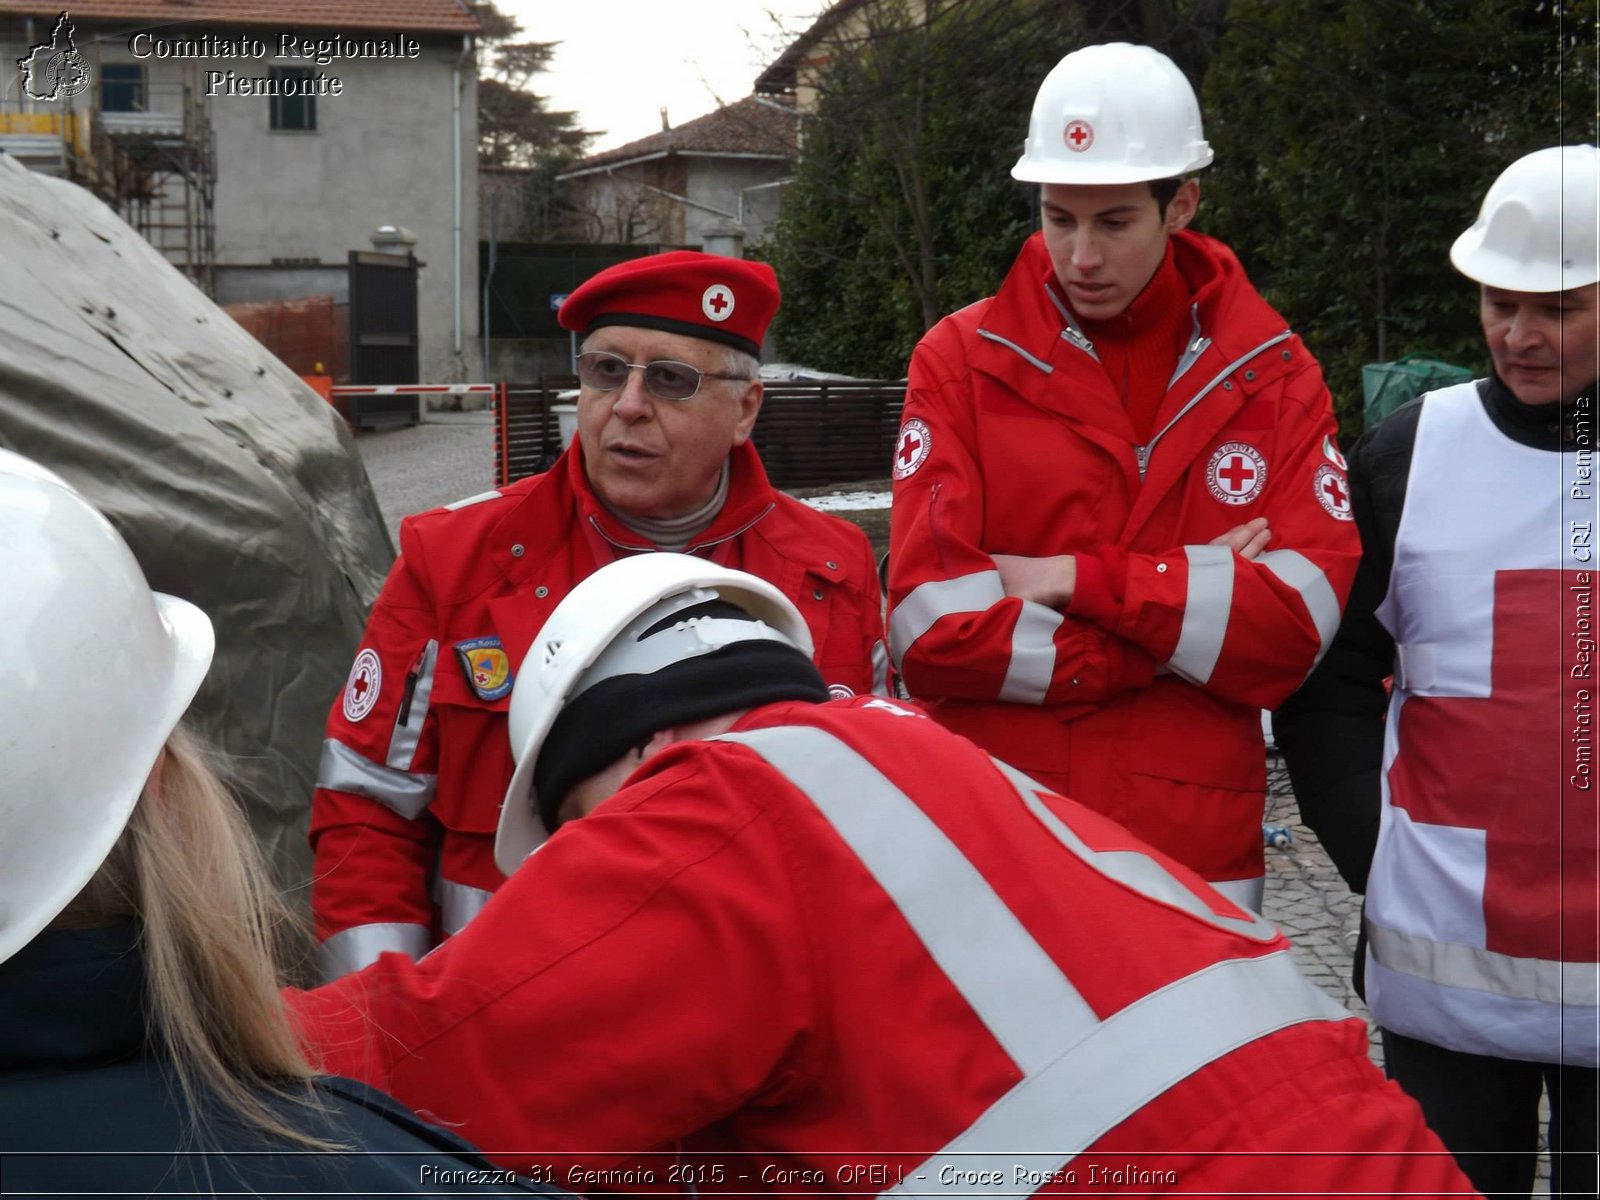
{"x": 755, "y": 125}
{"x": 419, "y": 16}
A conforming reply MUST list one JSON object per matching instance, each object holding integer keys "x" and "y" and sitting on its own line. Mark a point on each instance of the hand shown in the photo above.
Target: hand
{"x": 1247, "y": 540}
{"x": 1047, "y": 581}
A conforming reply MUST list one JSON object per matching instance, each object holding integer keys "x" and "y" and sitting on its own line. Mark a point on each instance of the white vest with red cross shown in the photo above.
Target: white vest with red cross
{"x": 1482, "y": 912}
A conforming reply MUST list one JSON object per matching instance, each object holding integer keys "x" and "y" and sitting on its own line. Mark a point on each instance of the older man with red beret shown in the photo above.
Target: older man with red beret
{"x": 416, "y": 758}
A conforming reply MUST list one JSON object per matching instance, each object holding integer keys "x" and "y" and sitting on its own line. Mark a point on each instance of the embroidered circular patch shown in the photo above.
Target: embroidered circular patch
{"x": 1333, "y": 492}
{"x": 911, "y": 449}
{"x": 1236, "y": 473}
{"x": 361, "y": 692}
{"x": 717, "y": 303}
{"x": 839, "y": 691}
{"x": 1078, "y": 135}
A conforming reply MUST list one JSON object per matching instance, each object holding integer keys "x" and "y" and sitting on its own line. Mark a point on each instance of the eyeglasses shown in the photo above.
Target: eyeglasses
{"x": 665, "y": 378}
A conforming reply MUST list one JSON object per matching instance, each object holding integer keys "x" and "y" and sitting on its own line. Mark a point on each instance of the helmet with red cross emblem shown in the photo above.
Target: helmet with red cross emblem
{"x": 1116, "y": 113}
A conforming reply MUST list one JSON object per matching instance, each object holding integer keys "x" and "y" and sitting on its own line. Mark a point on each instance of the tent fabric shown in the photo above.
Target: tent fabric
{"x": 236, "y": 486}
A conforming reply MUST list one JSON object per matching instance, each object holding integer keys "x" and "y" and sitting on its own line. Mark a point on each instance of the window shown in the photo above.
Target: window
{"x": 290, "y": 110}
{"x": 122, "y": 88}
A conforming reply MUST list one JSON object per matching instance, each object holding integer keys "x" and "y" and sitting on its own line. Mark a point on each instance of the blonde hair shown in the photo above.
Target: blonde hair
{"x": 213, "y": 934}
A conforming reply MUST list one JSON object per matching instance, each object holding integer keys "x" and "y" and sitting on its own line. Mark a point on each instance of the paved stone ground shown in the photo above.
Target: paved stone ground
{"x": 451, "y": 455}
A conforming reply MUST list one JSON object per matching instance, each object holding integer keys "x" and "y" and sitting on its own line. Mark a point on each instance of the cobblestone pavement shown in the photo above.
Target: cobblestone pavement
{"x": 447, "y": 457}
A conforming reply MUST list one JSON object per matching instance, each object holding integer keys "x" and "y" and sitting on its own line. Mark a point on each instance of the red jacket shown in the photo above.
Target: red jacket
{"x": 841, "y": 949}
{"x": 417, "y": 757}
{"x": 1016, "y": 442}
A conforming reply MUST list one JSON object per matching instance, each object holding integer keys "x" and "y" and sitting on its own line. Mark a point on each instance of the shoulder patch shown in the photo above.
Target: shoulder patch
{"x": 487, "y": 666}
{"x": 1332, "y": 490}
{"x": 362, "y": 688}
{"x": 911, "y": 448}
{"x": 1330, "y": 451}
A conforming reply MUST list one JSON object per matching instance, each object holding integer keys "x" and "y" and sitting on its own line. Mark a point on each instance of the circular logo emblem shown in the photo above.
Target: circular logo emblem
{"x": 361, "y": 692}
{"x": 838, "y": 691}
{"x": 717, "y": 303}
{"x": 1333, "y": 492}
{"x": 1236, "y": 473}
{"x": 1079, "y": 136}
{"x": 1330, "y": 451}
{"x": 911, "y": 450}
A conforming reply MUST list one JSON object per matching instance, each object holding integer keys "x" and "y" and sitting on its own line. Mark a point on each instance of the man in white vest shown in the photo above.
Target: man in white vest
{"x": 1468, "y": 817}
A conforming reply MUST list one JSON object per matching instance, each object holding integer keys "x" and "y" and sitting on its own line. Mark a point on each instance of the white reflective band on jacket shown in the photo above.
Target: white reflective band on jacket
{"x": 1082, "y": 1075}
{"x": 1033, "y": 646}
{"x": 1209, "y": 605}
{"x": 458, "y": 904}
{"x": 359, "y": 946}
{"x": 345, "y": 770}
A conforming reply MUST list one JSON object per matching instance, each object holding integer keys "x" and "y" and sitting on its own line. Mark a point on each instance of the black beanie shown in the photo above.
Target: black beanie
{"x": 615, "y": 715}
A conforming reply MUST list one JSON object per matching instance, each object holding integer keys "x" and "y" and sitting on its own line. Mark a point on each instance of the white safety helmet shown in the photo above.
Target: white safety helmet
{"x": 1116, "y": 113}
{"x": 616, "y": 623}
{"x": 95, "y": 671}
{"x": 1539, "y": 227}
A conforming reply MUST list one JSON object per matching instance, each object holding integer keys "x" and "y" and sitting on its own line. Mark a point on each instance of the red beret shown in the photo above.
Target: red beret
{"x": 727, "y": 300}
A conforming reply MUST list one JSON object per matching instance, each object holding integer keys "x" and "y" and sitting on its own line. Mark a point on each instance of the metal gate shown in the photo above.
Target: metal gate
{"x": 383, "y": 318}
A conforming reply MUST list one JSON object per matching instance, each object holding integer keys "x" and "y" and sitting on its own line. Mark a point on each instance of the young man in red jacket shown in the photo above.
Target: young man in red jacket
{"x": 1121, "y": 524}
{"x": 778, "y": 943}
{"x": 416, "y": 758}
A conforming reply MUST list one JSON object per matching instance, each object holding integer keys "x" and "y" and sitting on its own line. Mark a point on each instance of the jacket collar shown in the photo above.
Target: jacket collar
{"x": 73, "y": 997}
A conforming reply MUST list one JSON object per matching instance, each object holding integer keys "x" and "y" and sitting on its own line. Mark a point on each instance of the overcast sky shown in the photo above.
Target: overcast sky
{"x": 621, "y": 61}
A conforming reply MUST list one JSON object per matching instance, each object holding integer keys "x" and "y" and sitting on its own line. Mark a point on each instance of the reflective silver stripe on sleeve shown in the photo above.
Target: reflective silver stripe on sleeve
{"x": 1246, "y": 893}
{"x": 1130, "y": 1059}
{"x": 927, "y": 602}
{"x": 1033, "y": 654}
{"x": 1138, "y": 871}
{"x": 403, "y": 792}
{"x": 1017, "y": 992}
{"x": 1454, "y": 964}
{"x": 458, "y": 904}
{"x": 1305, "y": 577}
{"x": 356, "y": 947}
{"x": 403, "y": 745}
{"x": 880, "y": 668}
{"x": 1205, "y": 613}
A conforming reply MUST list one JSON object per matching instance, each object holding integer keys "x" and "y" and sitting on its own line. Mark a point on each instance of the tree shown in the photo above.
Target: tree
{"x": 1355, "y": 140}
{"x": 902, "y": 206}
{"x": 515, "y": 128}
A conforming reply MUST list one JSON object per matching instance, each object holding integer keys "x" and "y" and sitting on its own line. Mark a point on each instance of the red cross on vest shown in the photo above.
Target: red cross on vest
{"x": 1237, "y": 473}
{"x": 1503, "y": 764}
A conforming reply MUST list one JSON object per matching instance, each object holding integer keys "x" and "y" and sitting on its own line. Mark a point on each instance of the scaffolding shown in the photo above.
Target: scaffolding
{"x": 161, "y": 168}
{"x": 155, "y": 164}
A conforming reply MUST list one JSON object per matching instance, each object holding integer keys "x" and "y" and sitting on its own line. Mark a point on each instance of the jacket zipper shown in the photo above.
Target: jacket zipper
{"x": 1142, "y": 453}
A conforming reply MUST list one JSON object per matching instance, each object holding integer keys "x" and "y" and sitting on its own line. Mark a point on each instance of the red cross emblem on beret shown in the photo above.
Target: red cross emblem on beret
{"x": 717, "y": 302}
